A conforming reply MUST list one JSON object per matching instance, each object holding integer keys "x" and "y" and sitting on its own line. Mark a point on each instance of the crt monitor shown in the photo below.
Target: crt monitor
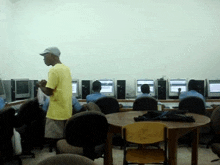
{"x": 75, "y": 88}
{"x": 150, "y": 82}
{"x": 2, "y": 90}
{"x": 22, "y": 88}
{"x": 107, "y": 87}
{"x": 175, "y": 84}
{"x": 213, "y": 88}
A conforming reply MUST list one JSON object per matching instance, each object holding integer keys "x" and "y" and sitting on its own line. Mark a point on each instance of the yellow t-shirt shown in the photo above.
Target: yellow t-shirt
{"x": 59, "y": 79}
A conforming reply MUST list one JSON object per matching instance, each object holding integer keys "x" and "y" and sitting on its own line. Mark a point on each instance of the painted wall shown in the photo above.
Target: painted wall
{"x": 120, "y": 39}
{"x": 5, "y": 39}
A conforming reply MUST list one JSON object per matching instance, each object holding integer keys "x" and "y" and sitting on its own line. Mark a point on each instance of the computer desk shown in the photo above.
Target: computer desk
{"x": 15, "y": 103}
{"x": 169, "y": 102}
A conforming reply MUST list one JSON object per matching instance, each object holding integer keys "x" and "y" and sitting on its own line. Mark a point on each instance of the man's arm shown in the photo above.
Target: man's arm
{"x": 46, "y": 90}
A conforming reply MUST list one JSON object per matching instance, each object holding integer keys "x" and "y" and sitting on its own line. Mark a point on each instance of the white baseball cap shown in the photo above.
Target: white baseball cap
{"x": 53, "y": 50}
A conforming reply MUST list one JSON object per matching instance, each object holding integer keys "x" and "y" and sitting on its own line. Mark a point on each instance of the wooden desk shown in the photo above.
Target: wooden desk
{"x": 175, "y": 131}
{"x": 15, "y": 103}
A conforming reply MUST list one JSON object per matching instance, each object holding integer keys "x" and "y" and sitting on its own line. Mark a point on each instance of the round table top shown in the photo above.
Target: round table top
{"x": 121, "y": 119}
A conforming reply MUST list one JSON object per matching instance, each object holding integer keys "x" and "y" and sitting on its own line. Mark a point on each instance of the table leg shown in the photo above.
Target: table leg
{"x": 172, "y": 147}
{"x": 108, "y": 150}
{"x": 195, "y": 144}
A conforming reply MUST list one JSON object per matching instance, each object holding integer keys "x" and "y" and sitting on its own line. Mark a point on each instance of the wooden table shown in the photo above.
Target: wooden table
{"x": 175, "y": 131}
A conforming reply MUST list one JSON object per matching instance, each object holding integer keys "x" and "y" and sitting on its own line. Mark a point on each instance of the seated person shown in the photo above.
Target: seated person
{"x": 192, "y": 91}
{"x": 76, "y": 105}
{"x": 145, "y": 89}
{"x": 2, "y": 103}
{"x": 96, "y": 87}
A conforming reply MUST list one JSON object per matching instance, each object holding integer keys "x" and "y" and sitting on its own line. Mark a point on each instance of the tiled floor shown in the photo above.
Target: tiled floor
{"x": 184, "y": 156}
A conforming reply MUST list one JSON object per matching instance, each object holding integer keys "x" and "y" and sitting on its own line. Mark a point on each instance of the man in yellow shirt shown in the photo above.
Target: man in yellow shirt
{"x": 59, "y": 88}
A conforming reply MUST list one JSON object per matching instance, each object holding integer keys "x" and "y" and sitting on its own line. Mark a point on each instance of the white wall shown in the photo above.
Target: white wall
{"x": 121, "y": 39}
{"x": 5, "y": 29}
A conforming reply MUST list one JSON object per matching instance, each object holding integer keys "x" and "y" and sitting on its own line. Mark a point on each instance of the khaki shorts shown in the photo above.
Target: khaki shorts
{"x": 54, "y": 128}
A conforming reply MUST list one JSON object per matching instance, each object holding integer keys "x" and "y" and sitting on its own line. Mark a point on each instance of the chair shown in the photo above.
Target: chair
{"x": 193, "y": 105}
{"x": 215, "y": 129}
{"x": 66, "y": 159}
{"x": 7, "y": 122}
{"x": 86, "y": 132}
{"x": 145, "y": 133}
{"x": 108, "y": 105}
{"x": 216, "y": 149}
{"x": 30, "y": 124}
{"x": 145, "y": 103}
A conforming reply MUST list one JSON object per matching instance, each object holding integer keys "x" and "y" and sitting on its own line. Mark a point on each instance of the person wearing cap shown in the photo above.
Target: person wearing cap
{"x": 96, "y": 87}
{"x": 59, "y": 88}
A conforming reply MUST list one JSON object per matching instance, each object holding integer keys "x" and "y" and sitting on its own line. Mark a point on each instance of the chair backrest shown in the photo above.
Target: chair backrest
{"x": 215, "y": 120}
{"x": 108, "y": 105}
{"x": 145, "y": 132}
{"x": 7, "y": 122}
{"x": 86, "y": 129}
{"x": 145, "y": 103}
{"x": 193, "y": 104}
{"x": 29, "y": 112}
{"x": 66, "y": 159}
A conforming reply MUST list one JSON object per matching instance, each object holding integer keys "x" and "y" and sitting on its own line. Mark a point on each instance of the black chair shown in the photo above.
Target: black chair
{"x": 66, "y": 159}
{"x": 215, "y": 129}
{"x": 108, "y": 105}
{"x": 145, "y": 103}
{"x": 85, "y": 130}
{"x": 30, "y": 124}
{"x": 193, "y": 105}
{"x": 7, "y": 122}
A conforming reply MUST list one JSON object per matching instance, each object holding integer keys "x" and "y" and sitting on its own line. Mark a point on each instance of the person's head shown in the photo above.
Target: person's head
{"x": 51, "y": 56}
{"x": 192, "y": 85}
{"x": 96, "y": 86}
{"x": 145, "y": 88}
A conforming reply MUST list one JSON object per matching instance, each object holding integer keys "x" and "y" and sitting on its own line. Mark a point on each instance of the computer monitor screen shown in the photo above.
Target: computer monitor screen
{"x": 107, "y": 87}
{"x": 2, "y": 90}
{"x": 22, "y": 87}
{"x": 175, "y": 85}
{"x": 141, "y": 82}
{"x": 75, "y": 88}
{"x": 150, "y": 82}
{"x": 213, "y": 88}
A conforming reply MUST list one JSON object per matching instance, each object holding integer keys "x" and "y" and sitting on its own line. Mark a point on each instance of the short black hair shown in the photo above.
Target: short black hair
{"x": 145, "y": 88}
{"x": 192, "y": 85}
{"x": 96, "y": 85}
